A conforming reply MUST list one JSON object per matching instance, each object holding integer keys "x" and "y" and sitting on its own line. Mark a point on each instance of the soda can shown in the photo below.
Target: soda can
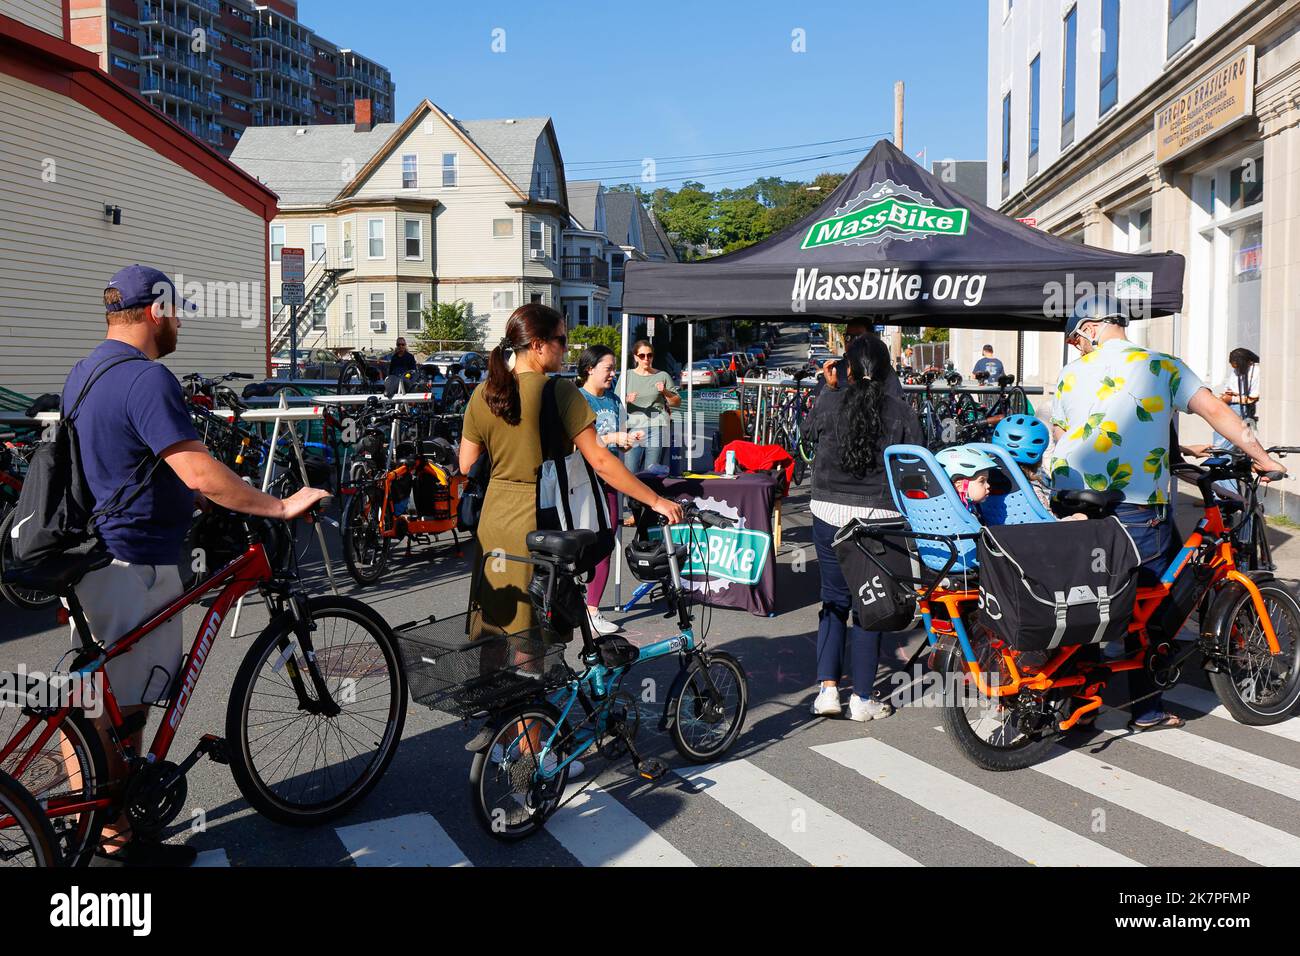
{"x": 731, "y": 461}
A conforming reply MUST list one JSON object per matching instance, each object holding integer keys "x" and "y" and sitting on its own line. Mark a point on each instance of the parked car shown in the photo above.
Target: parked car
{"x": 472, "y": 365}
{"x": 725, "y": 375}
{"x": 742, "y": 360}
{"x": 759, "y": 353}
{"x": 700, "y": 374}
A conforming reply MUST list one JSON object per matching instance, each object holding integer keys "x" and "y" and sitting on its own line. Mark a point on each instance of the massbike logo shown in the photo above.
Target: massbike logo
{"x": 724, "y": 554}
{"x": 886, "y": 211}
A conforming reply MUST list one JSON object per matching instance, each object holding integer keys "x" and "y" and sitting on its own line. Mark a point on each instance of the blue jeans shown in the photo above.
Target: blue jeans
{"x": 1154, "y": 534}
{"x": 833, "y": 628}
{"x": 650, "y": 452}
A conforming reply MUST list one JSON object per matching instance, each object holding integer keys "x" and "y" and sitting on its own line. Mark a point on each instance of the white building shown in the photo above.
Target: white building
{"x": 92, "y": 179}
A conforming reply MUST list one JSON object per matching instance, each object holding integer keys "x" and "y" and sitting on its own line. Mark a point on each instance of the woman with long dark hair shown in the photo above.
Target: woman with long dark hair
{"x": 503, "y": 420}
{"x": 852, "y": 425}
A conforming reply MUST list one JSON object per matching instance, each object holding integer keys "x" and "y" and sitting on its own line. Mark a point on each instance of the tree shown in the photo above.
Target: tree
{"x": 449, "y": 325}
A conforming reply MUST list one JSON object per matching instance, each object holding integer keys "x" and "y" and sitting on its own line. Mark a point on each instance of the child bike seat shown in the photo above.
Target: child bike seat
{"x": 925, "y": 496}
{"x": 1019, "y": 505}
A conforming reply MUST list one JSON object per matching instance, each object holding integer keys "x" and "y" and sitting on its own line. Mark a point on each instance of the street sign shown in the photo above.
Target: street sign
{"x": 292, "y": 293}
{"x": 650, "y": 327}
{"x": 292, "y": 262}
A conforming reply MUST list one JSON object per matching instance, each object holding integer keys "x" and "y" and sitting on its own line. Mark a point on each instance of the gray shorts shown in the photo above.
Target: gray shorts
{"x": 120, "y": 597}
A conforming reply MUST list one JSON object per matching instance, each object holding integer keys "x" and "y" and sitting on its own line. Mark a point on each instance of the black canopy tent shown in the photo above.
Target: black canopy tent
{"x": 894, "y": 243}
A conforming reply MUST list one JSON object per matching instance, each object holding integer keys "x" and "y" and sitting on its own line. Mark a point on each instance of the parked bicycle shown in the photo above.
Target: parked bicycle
{"x": 14, "y": 456}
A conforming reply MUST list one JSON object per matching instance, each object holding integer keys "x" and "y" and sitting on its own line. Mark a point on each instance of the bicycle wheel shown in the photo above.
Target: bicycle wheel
{"x": 996, "y": 733}
{"x": 1256, "y": 686}
{"x": 365, "y": 550}
{"x": 26, "y": 837}
{"x": 509, "y": 801}
{"x": 69, "y": 770}
{"x": 292, "y": 762}
{"x": 702, "y": 730}
{"x": 19, "y": 597}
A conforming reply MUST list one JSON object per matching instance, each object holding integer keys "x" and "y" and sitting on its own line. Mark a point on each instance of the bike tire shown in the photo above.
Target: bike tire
{"x": 689, "y": 708}
{"x": 279, "y": 639}
{"x": 78, "y": 835}
{"x": 27, "y": 840}
{"x": 1227, "y": 685}
{"x": 357, "y": 514}
{"x": 18, "y": 597}
{"x": 484, "y": 772}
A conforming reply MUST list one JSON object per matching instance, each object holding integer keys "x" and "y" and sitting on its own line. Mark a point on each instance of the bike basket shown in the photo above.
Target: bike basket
{"x": 1044, "y": 586}
{"x": 456, "y": 666}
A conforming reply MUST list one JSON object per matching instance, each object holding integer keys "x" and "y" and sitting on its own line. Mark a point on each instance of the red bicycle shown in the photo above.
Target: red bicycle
{"x": 314, "y": 717}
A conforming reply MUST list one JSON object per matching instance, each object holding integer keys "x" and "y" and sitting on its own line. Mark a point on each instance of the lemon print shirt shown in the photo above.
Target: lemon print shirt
{"x": 1115, "y": 405}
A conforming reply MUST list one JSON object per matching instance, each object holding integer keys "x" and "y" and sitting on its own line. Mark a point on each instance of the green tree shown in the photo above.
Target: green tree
{"x": 449, "y": 325}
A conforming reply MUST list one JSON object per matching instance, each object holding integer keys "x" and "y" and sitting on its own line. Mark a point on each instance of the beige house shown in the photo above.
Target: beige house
{"x": 400, "y": 215}
{"x": 94, "y": 179}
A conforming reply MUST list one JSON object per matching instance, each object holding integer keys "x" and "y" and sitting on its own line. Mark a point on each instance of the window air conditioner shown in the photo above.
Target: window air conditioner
{"x": 537, "y": 253}
{"x": 378, "y": 325}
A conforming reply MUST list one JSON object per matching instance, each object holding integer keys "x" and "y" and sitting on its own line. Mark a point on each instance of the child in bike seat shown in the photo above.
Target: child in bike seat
{"x": 1026, "y": 439}
{"x": 969, "y": 469}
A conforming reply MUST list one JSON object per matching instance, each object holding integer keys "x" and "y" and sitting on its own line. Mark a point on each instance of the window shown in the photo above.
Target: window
{"x": 1035, "y": 73}
{"x": 277, "y": 320}
{"x": 503, "y": 301}
{"x": 1246, "y": 184}
{"x": 535, "y": 298}
{"x": 242, "y": 107}
{"x": 450, "y": 169}
{"x": 349, "y": 317}
{"x": 317, "y": 241}
{"x": 376, "y": 312}
{"x": 410, "y": 175}
{"x": 1108, "y": 94}
{"x": 347, "y": 240}
{"x": 414, "y": 239}
{"x": 122, "y": 64}
{"x": 503, "y": 228}
{"x": 536, "y": 242}
{"x": 1069, "y": 69}
{"x": 318, "y": 313}
{"x": 1182, "y": 25}
{"x": 375, "y": 234}
{"x": 277, "y": 242}
{"x": 1006, "y": 145}
{"x": 414, "y": 311}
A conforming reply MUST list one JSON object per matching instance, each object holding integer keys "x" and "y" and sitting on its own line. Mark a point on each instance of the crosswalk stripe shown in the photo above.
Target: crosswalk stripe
{"x": 1210, "y": 754}
{"x": 1214, "y": 825}
{"x": 797, "y": 822}
{"x": 999, "y": 821}
{"x": 414, "y": 839}
{"x": 1205, "y": 702}
{"x": 600, "y": 831}
{"x": 212, "y": 858}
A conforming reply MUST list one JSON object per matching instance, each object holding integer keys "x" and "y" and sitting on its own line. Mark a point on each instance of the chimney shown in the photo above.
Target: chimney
{"x": 361, "y": 113}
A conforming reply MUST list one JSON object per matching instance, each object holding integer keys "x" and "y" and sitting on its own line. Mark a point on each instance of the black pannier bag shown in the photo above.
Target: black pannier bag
{"x": 879, "y": 568}
{"x": 1047, "y": 586}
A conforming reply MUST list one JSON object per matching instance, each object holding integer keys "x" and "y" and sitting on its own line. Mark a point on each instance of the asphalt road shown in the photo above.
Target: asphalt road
{"x": 796, "y": 790}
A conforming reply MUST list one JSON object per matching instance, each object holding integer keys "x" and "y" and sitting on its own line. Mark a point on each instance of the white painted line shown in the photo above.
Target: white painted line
{"x": 1214, "y": 825}
{"x": 211, "y": 858}
{"x": 999, "y": 821}
{"x": 800, "y": 824}
{"x": 414, "y": 839}
{"x": 1209, "y": 754}
{"x": 1205, "y": 702}
{"x": 600, "y": 831}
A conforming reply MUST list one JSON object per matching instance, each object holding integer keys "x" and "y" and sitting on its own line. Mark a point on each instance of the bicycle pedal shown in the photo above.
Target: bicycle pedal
{"x": 651, "y": 769}
{"x": 214, "y": 748}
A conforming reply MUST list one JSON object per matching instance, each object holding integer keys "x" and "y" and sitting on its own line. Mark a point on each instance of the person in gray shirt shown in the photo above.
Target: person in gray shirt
{"x": 650, "y": 395}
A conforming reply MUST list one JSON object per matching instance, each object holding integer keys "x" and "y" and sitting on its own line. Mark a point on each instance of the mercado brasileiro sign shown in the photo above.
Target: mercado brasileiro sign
{"x": 1217, "y": 100}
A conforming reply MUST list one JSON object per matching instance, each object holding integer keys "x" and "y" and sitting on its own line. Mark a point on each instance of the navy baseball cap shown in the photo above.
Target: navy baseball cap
{"x": 142, "y": 285}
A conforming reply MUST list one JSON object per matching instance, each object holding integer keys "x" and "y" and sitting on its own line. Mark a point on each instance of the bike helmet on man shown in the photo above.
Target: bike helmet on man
{"x": 1097, "y": 307}
{"x": 1024, "y": 436}
{"x": 962, "y": 461}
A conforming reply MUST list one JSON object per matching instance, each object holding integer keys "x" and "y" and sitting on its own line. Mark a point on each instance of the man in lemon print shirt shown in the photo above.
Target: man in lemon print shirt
{"x": 1111, "y": 419}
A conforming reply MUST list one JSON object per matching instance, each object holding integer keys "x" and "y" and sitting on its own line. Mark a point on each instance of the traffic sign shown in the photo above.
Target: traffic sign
{"x": 292, "y": 293}
{"x": 292, "y": 262}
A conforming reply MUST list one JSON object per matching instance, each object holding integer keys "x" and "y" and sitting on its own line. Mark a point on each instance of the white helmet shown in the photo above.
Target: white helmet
{"x": 962, "y": 461}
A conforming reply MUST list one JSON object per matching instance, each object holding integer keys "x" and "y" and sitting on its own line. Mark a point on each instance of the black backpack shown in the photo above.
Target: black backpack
{"x": 56, "y": 510}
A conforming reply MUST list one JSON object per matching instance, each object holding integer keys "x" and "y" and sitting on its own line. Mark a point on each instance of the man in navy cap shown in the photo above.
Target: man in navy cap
{"x": 135, "y": 433}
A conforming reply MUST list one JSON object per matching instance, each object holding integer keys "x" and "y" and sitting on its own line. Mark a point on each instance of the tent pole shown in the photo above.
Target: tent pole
{"x": 690, "y": 398}
{"x": 618, "y": 497}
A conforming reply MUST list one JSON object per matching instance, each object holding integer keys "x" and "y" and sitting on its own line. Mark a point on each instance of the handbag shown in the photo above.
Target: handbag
{"x": 470, "y": 507}
{"x": 569, "y": 496}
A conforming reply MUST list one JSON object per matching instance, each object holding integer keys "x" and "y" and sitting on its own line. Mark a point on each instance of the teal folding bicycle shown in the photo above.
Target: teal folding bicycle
{"x": 541, "y": 714}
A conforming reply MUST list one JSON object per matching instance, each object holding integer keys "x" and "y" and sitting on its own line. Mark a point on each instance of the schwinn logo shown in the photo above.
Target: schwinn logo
{"x": 196, "y": 668}
{"x": 77, "y": 909}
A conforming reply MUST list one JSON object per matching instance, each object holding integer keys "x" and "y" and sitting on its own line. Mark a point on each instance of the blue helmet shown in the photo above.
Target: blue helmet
{"x": 1024, "y": 436}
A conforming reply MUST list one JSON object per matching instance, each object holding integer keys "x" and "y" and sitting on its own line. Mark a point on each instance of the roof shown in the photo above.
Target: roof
{"x": 53, "y": 63}
{"x": 620, "y": 207}
{"x": 655, "y": 241}
{"x": 510, "y": 143}
{"x": 582, "y": 202}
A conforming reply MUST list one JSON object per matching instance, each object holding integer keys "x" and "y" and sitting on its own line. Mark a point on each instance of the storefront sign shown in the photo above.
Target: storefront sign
{"x": 1219, "y": 99}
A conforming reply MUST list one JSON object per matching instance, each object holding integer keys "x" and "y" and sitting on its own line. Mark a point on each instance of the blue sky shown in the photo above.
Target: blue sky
{"x": 625, "y": 81}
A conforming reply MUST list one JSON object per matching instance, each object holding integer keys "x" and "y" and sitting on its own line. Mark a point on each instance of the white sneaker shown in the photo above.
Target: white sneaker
{"x": 550, "y": 760}
{"x": 600, "y": 625}
{"x": 864, "y": 710}
{"x": 827, "y": 703}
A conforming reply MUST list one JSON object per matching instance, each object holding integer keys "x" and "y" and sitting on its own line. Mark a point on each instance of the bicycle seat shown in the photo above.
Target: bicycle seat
{"x": 1086, "y": 501}
{"x": 616, "y": 651}
{"x": 565, "y": 546}
{"x": 58, "y": 574}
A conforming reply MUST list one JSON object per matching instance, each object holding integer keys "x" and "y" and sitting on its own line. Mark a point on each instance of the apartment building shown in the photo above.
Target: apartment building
{"x": 217, "y": 67}
{"x": 395, "y": 216}
{"x": 1166, "y": 125}
{"x": 92, "y": 180}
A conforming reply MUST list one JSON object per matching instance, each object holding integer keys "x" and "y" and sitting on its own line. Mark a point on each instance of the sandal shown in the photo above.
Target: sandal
{"x": 1160, "y": 721}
